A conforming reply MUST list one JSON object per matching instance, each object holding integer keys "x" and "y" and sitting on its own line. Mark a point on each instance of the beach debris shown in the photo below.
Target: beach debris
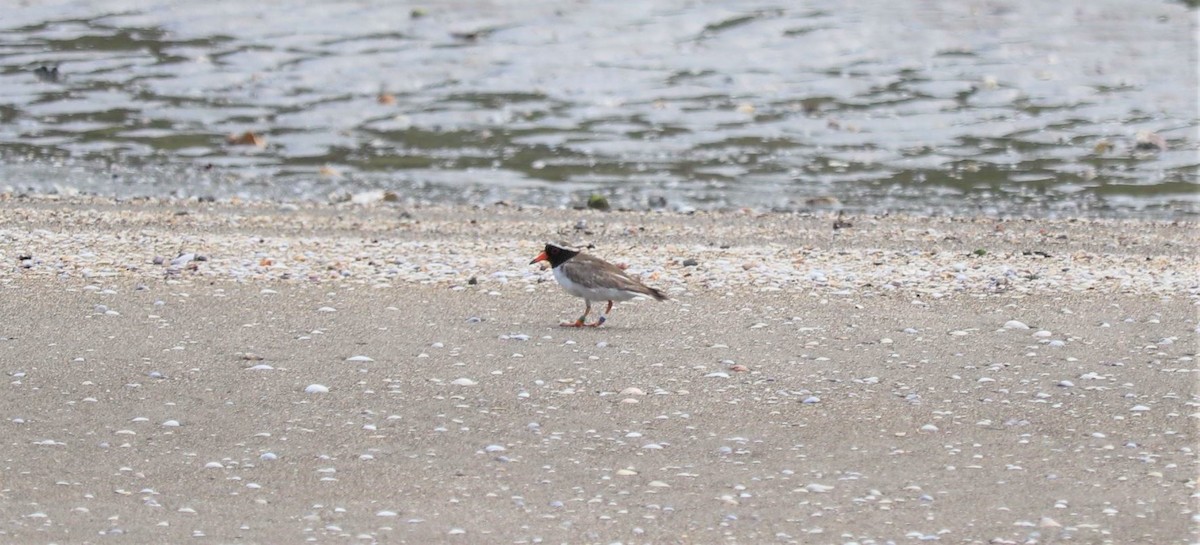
{"x": 316, "y": 389}
{"x": 1149, "y": 141}
{"x": 839, "y": 223}
{"x": 248, "y": 138}
{"x": 47, "y": 74}
{"x": 472, "y": 35}
{"x": 1015, "y": 324}
{"x": 823, "y": 201}
{"x": 597, "y": 201}
{"x": 463, "y": 382}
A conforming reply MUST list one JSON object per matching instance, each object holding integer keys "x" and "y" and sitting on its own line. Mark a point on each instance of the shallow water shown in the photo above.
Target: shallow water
{"x": 1017, "y": 107}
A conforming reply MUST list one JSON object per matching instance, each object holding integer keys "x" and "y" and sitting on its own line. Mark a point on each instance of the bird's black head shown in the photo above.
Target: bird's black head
{"x": 555, "y": 254}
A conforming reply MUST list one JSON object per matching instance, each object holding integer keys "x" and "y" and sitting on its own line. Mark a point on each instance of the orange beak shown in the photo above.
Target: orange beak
{"x": 541, "y": 257}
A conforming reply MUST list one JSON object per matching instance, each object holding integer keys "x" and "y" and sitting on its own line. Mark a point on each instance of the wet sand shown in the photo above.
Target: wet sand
{"x": 871, "y": 385}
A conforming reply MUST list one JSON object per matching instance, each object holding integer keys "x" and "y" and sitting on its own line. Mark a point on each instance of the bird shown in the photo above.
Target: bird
{"x": 594, "y": 280}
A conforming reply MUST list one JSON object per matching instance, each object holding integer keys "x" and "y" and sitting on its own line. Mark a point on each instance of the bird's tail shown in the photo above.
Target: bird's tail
{"x": 656, "y": 294}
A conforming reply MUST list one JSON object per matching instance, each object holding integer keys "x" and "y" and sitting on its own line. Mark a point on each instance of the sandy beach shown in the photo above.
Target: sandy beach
{"x": 262, "y": 373}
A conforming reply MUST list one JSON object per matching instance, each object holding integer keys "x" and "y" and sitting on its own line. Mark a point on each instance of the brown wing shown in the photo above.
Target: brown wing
{"x": 593, "y": 271}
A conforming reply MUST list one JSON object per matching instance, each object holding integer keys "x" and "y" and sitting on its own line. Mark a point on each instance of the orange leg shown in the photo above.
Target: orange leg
{"x": 604, "y": 316}
{"x": 579, "y": 323}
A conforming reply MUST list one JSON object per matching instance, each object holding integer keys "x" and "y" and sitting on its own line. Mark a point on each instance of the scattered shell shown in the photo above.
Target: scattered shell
{"x": 463, "y": 382}
{"x": 1048, "y": 522}
{"x": 316, "y": 389}
{"x": 1015, "y": 324}
{"x": 363, "y": 359}
{"x": 182, "y": 260}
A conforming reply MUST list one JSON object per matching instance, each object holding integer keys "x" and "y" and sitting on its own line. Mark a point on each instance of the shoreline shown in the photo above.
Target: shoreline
{"x": 449, "y": 245}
